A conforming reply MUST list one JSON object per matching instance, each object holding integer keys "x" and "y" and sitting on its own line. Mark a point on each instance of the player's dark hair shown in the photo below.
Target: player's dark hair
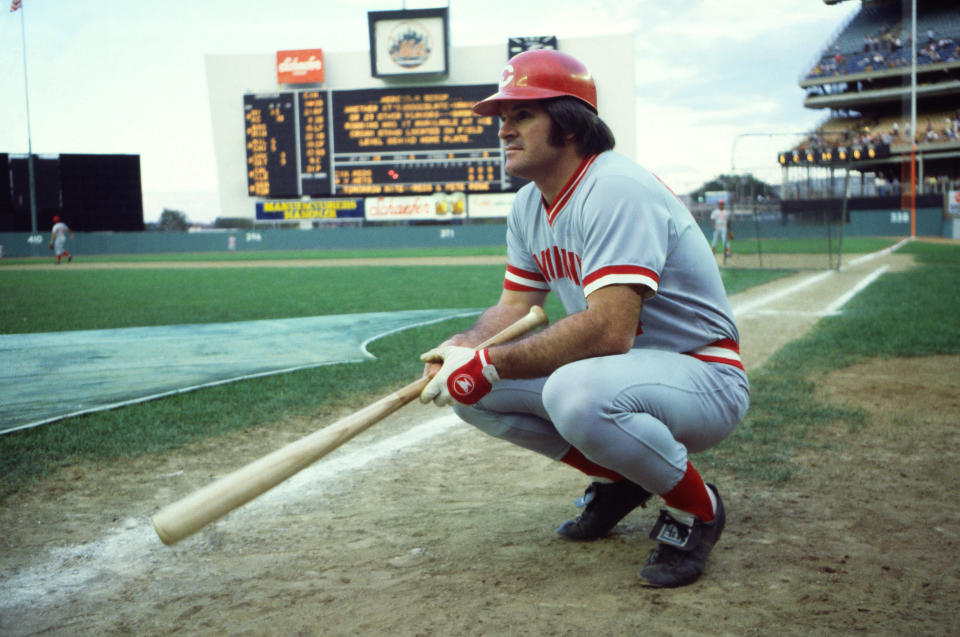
{"x": 568, "y": 116}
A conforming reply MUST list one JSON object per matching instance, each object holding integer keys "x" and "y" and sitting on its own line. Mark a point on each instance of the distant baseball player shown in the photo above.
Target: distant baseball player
{"x": 645, "y": 366}
{"x": 719, "y": 218}
{"x": 58, "y": 239}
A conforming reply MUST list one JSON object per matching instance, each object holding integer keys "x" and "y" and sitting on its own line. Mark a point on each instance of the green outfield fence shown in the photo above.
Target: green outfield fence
{"x": 816, "y": 233}
{"x": 264, "y": 239}
{"x": 756, "y": 230}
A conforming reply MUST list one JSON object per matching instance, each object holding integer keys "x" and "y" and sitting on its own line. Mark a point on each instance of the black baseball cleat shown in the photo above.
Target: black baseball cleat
{"x": 606, "y": 504}
{"x": 681, "y": 555}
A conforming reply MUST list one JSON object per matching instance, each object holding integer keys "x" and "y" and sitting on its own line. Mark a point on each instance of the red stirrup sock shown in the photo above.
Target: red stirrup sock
{"x": 579, "y": 461}
{"x": 691, "y": 495}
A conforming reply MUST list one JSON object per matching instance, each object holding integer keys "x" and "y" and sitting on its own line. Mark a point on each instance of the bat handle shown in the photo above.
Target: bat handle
{"x": 534, "y": 318}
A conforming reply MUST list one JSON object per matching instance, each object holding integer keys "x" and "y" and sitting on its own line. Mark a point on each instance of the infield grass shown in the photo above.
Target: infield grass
{"x": 851, "y": 245}
{"x": 269, "y": 255}
{"x": 782, "y": 406}
{"x": 64, "y": 300}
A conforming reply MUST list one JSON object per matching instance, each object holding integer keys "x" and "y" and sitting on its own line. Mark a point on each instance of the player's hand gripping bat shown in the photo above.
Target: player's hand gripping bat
{"x": 188, "y": 515}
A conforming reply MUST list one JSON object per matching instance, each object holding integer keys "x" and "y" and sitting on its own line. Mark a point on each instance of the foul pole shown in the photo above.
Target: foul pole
{"x": 913, "y": 123}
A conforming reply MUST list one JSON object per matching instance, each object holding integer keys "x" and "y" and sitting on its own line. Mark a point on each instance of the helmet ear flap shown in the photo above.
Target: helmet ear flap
{"x": 541, "y": 74}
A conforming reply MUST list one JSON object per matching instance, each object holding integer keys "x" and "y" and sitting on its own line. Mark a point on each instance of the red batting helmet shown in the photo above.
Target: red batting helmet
{"x": 56, "y": 219}
{"x": 541, "y": 74}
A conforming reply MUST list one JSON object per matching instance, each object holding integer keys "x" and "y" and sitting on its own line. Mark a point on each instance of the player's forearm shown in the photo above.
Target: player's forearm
{"x": 607, "y": 327}
{"x": 565, "y": 341}
{"x": 489, "y": 323}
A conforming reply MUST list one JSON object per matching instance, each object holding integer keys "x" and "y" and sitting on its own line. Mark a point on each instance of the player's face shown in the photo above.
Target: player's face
{"x": 525, "y": 133}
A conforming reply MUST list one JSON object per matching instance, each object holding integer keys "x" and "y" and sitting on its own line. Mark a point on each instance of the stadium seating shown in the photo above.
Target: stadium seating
{"x": 877, "y": 38}
{"x": 884, "y": 130}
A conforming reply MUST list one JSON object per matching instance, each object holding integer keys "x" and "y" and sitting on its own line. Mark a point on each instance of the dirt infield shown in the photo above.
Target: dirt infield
{"x": 423, "y": 526}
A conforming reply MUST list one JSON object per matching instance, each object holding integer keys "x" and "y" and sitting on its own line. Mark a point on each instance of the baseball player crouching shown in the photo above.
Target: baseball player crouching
{"x": 644, "y": 369}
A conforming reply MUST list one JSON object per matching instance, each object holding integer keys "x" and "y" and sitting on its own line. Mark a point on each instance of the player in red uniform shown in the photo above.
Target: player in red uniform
{"x": 645, "y": 366}
{"x": 58, "y": 239}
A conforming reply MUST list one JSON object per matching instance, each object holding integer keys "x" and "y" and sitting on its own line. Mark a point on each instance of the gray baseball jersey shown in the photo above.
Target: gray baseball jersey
{"x": 681, "y": 388}
{"x": 616, "y": 223}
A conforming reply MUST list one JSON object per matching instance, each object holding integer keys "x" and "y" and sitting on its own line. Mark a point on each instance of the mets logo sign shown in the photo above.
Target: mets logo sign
{"x": 410, "y": 45}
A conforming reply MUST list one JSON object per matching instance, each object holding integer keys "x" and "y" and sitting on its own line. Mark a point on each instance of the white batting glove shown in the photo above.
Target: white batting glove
{"x": 466, "y": 375}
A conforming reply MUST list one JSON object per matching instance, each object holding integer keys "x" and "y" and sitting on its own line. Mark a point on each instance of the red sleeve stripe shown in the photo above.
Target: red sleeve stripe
{"x": 526, "y": 274}
{"x": 620, "y": 274}
{"x": 524, "y": 280}
{"x": 519, "y": 287}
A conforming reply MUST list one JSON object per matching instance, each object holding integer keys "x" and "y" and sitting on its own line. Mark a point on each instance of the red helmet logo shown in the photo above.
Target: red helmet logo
{"x": 541, "y": 74}
{"x": 507, "y": 76}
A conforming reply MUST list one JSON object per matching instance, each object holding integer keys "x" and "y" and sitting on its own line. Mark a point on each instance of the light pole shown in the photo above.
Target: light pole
{"x": 34, "y": 237}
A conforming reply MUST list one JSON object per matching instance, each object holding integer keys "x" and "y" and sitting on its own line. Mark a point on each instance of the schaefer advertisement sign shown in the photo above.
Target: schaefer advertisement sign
{"x": 300, "y": 67}
{"x": 306, "y": 210}
{"x": 401, "y": 208}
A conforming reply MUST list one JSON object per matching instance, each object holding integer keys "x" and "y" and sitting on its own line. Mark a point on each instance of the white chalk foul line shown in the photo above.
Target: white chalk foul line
{"x": 834, "y": 308}
{"x": 878, "y": 253}
{"x": 312, "y": 478}
{"x": 758, "y": 306}
{"x": 129, "y": 550}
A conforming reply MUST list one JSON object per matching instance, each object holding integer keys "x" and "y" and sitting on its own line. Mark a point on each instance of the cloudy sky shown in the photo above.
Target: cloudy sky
{"x": 128, "y": 77}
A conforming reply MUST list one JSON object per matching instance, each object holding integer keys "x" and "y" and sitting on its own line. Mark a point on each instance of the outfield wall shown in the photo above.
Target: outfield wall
{"x": 424, "y": 237}
{"x": 863, "y": 223}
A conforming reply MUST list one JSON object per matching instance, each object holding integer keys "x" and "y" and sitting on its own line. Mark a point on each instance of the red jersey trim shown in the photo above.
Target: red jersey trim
{"x": 568, "y": 189}
{"x": 722, "y": 351}
{"x": 519, "y": 280}
{"x": 620, "y": 274}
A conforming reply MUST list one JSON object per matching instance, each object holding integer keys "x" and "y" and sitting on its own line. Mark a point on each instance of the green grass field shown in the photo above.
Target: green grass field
{"x": 271, "y": 255}
{"x": 851, "y": 245}
{"x": 65, "y": 299}
{"x": 96, "y": 299}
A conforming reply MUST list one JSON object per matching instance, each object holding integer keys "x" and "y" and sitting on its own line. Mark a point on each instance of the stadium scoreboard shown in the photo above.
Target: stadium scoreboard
{"x": 370, "y": 142}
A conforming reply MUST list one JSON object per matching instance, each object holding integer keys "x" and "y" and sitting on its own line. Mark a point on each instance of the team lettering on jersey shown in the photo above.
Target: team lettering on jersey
{"x": 557, "y": 263}
{"x": 554, "y": 263}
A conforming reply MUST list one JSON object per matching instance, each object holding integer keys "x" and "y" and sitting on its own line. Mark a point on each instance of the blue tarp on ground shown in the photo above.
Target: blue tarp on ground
{"x": 49, "y": 376}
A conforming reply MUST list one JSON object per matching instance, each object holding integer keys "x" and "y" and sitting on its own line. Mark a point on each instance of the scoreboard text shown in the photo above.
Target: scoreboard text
{"x": 370, "y": 142}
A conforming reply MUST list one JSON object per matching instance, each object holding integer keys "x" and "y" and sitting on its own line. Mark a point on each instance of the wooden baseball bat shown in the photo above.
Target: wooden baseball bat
{"x": 191, "y": 513}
